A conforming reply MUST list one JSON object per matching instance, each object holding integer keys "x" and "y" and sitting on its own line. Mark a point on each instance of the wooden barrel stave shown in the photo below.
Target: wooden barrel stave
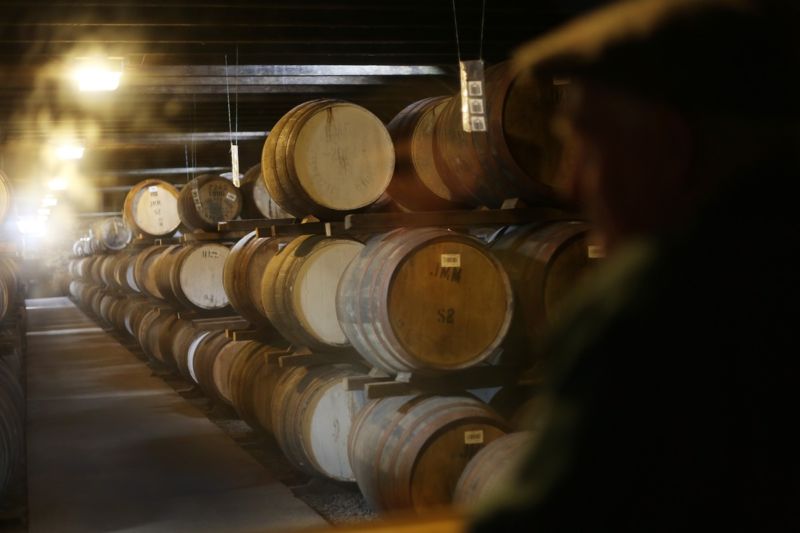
{"x": 408, "y": 452}
{"x": 491, "y": 468}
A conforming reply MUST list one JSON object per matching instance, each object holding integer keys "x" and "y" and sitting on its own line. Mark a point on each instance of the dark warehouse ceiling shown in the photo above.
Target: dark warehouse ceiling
{"x": 172, "y": 106}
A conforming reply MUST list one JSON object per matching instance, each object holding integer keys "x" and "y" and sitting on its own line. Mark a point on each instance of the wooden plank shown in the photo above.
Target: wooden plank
{"x": 381, "y": 222}
{"x": 360, "y": 382}
{"x": 311, "y": 359}
{"x": 201, "y": 236}
{"x": 251, "y": 224}
{"x": 307, "y": 228}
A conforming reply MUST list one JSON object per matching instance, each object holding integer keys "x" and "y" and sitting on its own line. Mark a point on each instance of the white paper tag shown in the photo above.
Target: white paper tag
{"x": 473, "y": 98}
{"x": 230, "y": 197}
{"x": 474, "y": 436}
{"x": 153, "y": 188}
{"x": 235, "y": 164}
{"x": 450, "y": 260}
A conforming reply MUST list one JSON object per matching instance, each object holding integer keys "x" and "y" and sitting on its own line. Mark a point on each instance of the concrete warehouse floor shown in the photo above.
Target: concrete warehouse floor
{"x": 113, "y": 448}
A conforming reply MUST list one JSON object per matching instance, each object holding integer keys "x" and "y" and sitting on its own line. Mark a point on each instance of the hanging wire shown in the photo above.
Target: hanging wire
{"x": 483, "y": 20}
{"x": 228, "y": 97}
{"x": 186, "y": 160}
{"x": 455, "y": 24}
{"x": 236, "y": 94}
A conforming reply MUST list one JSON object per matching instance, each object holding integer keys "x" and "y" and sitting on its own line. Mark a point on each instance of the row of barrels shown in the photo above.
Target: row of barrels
{"x": 403, "y": 452}
{"x": 328, "y": 157}
{"x": 474, "y": 303}
{"x": 110, "y": 234}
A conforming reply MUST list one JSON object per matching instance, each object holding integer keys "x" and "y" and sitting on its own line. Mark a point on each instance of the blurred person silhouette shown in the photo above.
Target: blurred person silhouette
{"x": 673, "y": 393}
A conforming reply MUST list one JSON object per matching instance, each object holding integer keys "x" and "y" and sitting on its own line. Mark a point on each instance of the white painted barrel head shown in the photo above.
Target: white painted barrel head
{"x": 155, "y": 210}
{"x": 330, "y": 426}
{"x": 193, "y": 351}
{"x": 314, "y": 296}
{"x": 201, "y": 276}
{"x": 343, "y": 157}
{"x": 130, "y": 278}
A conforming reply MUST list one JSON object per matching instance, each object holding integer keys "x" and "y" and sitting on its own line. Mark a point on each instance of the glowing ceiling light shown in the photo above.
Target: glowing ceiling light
{"x": 96, "y": 75}
{"x": 43, "y": 211}
{"x": 69, "y": 151}
{"x": 57, "y": 184}
{"x": 49, "y": 201}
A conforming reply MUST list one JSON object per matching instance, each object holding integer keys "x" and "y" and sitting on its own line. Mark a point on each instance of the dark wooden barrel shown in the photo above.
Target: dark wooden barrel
{"x": 257, "y": 202}
{"x": 312, "y": 415}
{"x": 408, "y": 452}
{"x": 183, "y": 334}
{"x": 111, "y": 234}
{"x": 544, "y": 261}
{"x": 327, "y": 158}
{"x": 223, "y": 367}
{"x": 252, "y": 384}
{"x": 151, "y": 208}
{"x": 516, "y": 157}
{"x": 95, "y": 271}
{"x": 134, "y": 311}
{"x": 299, "y": 290}
{"x": 195, "y": 276}
{"x": 106, "y": 301}
{"x": 144, "y": 275}
{"x": 243, "y": 273}
{"x": 162, "y": 270}
{"x": 201, "y": 362}
{"x": 122, "y": 274}
{"x": 446, "y": 284}
{"x": 12, "y": 407}
{"x": 416, "y": 184}
{"x": 208, "y": 200}
{"x": 492, "y": 468}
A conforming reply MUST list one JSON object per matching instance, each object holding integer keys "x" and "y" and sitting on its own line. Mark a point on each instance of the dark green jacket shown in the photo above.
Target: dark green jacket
{"x": 675, "y": 383}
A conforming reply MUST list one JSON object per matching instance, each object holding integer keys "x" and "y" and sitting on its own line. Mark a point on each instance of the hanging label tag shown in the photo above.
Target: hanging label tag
{"x": 473, "y": 97}
{"x": 235, "y": 164}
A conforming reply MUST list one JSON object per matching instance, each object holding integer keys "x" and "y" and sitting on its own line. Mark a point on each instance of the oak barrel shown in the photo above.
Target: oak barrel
{"x": 195, "y": 276}
{"x": 544, "y": 262}
{"x": 144, "y": 275}
{"x": 223, "y": 367}
{"x": 208, "y": 200}
{"x": 299, "y": 290}
{"x": 5, "y": 197}
{"x": 243, "y": 273}
{"x": 151, "y": 208}
{"x": 312, "y": 415}
{"x": 201, "y": 362}
{"x": 408, "y": 452}
{"x": 183, "y": 335}
{"x": 517, "y": 155}
{"x": 111, "y": 234}
{"x": 416, "y": 184}
{"x": 257, "y": 203}
{"x": 252, "y": 384}
{"x": 327, "y": 158}
{"x": 492, "y": 468}
{"x": 435, "y": 281}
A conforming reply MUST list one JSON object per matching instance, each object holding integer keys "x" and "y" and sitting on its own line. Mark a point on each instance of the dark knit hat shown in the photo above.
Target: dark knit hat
{"x": 709, "y": 57}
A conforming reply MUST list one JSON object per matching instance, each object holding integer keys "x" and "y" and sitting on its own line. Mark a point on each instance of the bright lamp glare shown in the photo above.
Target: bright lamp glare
{"x": 57, "y": 184}
{"x": 97, "y": 76}
{"x": 69, "y": 151}
{"x": 32, "y": 225}
{"x": 49, "y": 201}
{"x": 43, "y": 211}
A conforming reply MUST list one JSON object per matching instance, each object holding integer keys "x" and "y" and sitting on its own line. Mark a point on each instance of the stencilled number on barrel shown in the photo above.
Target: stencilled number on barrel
{"x": 209, "y": 254}
{"x": 446, "y": 316}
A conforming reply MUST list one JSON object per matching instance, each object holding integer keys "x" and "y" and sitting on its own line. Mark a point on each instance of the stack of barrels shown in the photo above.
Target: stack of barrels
{"x": 413, "y": 301}
{"x": 12, "y": 347}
